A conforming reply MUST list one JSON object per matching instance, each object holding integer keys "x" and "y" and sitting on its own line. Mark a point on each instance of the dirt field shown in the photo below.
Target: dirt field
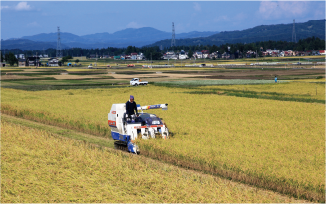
{"x": 163, "y": 76}
{"x": 69, "y": 76}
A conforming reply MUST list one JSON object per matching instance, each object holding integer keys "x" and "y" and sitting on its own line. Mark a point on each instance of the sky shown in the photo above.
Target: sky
{"x": 25, "y": 18}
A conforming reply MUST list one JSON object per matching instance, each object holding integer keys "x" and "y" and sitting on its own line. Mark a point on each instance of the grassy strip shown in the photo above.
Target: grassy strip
{"x": 42, "y": 88}
{"x": 86, "y": 73}
{"x": 61, "y": 87}
{"x": 214, "y": 82}
{"x": 261, "y": 95}
{"x": 60, "y": 131}
{"x": 37, "y": 73}
{"x": 49, "y": 119}
{"x": 41, "y": 78}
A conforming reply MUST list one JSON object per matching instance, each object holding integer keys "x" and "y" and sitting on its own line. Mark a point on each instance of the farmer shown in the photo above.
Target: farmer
{"x": 131, "y": 106}
{"x": 275, "y": 79}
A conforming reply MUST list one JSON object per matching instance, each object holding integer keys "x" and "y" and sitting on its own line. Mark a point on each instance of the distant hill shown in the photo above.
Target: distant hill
{"x": 124, "y": 38}
{"x": 24, "y": 44}
{"x": 280, "y": 32}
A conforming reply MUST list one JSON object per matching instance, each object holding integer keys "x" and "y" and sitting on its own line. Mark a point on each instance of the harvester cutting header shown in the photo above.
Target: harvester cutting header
{"x": 125, "y": 128}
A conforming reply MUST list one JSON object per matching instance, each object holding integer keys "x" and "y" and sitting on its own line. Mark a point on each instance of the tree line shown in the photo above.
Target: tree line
{"x": 154, "y": 52}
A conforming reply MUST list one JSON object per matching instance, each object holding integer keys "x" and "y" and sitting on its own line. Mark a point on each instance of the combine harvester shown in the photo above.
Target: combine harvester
{"x": 125, "y": 130}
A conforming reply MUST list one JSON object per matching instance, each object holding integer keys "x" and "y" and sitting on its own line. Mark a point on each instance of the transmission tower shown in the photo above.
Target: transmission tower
{"x": 173, "y": 36}
{"x": 59, "y": 52}
{"x": 294, "y": 37}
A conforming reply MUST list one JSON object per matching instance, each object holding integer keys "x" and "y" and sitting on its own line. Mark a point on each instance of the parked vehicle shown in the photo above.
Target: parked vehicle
{"x": 137, "y": 81}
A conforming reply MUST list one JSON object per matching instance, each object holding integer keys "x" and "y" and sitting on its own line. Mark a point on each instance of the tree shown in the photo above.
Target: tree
{"x": 77, "y": 60}
{"x": 1, "y": 57}
{"x": 63, "y": 60}
{"x": 12, "y": 59}
{"x": 190, "y": 53}
{"x": 6, "y": 57}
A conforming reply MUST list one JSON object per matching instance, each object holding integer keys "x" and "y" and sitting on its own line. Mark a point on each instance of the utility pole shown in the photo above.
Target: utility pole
{"x": 294, "y": 37}
{"x": 173, "y": 36}
{"x": 96, "y": 60}
{"x": 36, "y": 59}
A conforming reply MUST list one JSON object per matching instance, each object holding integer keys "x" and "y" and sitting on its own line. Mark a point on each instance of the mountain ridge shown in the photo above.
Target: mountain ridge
{"x": 133, "y": 36}
{"x": 275, "y": 32}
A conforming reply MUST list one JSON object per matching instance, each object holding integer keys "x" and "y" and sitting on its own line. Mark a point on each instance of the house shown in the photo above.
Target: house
{"x": 182, "y": 55}
{"x": 21, "y": 62}
{"x": 215, "y": 55}
{"x": 225, "y": 55}
{"x": 205, "y": 53}
{"x": 32, "y": 61}
{"x": 315, "y": 52}
{"x": 140, "y": 56}
{"x": 133, "y": 56}
{"x": 170, "y": 55}
{"x": 116, "y": 57}
{"x": 275, "y": 54}
{"x": 286, "y": 53}
{"x": 308, "y": 52}
{"x": 21, "y": 56}
{"x": 322, "y": 52}
{"x": 198, "y": 55}
{"x": 53, "y": 62}
{"x": 250, "y": 53}
{"x": 265, "y": 53}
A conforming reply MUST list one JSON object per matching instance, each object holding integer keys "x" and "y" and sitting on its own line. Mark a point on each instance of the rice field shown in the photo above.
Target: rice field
{"x": 296, "y": 88}
{"x": 40, "y": 167}
{"x": 218, "y": 82}
{"x": 276, "y": 145}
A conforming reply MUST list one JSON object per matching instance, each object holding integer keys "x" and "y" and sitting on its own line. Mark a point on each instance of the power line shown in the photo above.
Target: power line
{"x": 294, "y": 37}
{"x": 173, "y": 36}
{"x": 59, "y": 51}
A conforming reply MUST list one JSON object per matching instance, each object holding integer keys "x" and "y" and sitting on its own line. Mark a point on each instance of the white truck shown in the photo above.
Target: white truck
{"x": 137, "y": 81}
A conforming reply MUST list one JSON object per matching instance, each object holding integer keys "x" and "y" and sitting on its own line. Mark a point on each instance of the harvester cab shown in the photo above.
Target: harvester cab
{"x": 125, "y": 129}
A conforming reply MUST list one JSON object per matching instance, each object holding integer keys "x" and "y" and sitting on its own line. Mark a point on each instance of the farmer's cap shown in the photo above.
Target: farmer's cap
{"x": 131, "y": 97}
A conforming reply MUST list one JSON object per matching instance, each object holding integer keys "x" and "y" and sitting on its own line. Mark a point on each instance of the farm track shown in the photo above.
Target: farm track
{"x": 109, "y": 143}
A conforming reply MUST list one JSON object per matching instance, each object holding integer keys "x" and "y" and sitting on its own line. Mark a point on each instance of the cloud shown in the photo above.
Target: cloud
{"x": 319, "y": 12}
{"x": 221, "y": 18}
{"x": 23, "y": 6}
{"x": 4, "y": 7}
{"x": 33, "y": 24}
{"x": 134, "y": 24}
{"x": 280, "y": 9}
{"x": 240, "y": 16}
{"x": 197, "y": 6}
